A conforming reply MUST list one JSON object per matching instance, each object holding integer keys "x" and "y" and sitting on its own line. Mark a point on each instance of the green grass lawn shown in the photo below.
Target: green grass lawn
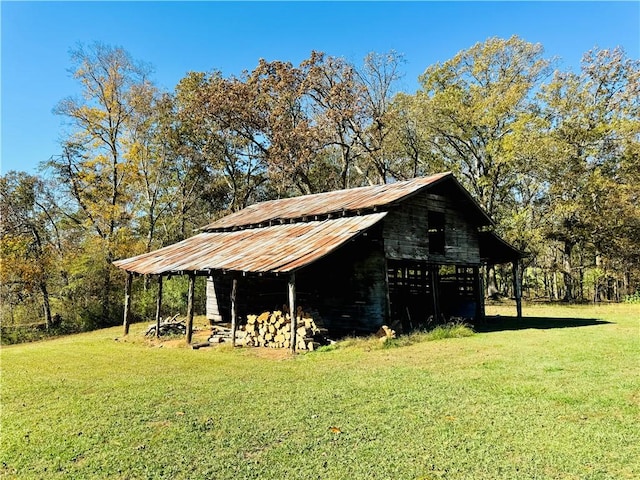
{"x": 543, "y": 399}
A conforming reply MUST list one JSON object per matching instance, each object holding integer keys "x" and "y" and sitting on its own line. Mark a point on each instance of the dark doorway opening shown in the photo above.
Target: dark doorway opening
{"x": 422, "y": 294}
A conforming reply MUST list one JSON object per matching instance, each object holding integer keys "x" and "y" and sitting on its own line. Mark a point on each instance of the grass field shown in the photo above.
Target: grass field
{"x": 554, "y": 397}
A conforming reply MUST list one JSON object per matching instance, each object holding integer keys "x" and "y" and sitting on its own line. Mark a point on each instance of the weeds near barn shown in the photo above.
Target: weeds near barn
{"x": 440, "y": 332}
{"x": 454, "y": 329}
{"x": 558, "y": 402}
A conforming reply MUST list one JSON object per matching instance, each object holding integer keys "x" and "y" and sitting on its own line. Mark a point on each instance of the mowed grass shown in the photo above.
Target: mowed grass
{"x": 557, "y": 401}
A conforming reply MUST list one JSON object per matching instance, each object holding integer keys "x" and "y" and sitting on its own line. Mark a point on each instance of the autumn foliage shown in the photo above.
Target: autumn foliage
{"x": 553, "y": 156}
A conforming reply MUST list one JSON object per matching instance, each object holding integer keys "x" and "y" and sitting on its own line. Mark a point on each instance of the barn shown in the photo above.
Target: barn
{"x": 407, "y": 253}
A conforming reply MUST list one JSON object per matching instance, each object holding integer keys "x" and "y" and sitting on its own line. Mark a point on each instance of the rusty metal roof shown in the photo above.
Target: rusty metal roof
{"x": 273, "y": 249}
{"x": 283, "y": 235}
{"x": 340, "y": 202}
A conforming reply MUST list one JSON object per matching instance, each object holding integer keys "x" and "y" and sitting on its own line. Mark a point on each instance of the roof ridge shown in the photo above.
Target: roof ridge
{"x": 365, "y": 199}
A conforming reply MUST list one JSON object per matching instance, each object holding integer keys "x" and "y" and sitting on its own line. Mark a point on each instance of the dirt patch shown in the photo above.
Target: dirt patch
{"x": 201, "y": 335}
{"x": 173, "y": 341}
{"x": 269, "y": 353}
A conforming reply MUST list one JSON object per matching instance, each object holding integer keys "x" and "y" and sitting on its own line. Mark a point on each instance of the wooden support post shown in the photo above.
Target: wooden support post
{"x": 190, "y": 301}
{"x": 517, "y": 287}
{"x": 387, "y": 299}
{"x": 435, "y": 293}
{"x": 158, "y": 305}
{"x": 127, "y": 302}
{"x": 479, "y": 294}
{"x": 234, "y": 312}
{"x": 292, "y": 310}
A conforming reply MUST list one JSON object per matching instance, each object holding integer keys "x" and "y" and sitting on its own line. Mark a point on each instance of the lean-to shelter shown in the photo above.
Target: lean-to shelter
{"x": 407, "y": 252}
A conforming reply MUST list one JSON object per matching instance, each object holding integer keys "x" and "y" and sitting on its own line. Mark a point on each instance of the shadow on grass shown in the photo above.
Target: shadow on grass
{"x": 498, "y": 323}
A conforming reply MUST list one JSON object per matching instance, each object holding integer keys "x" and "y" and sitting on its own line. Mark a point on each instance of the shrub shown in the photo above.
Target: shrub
{"x": 450, "y": 330}
{"x": 633, "y": 298}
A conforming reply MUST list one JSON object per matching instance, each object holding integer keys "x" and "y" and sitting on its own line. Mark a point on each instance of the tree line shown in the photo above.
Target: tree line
{"x": 553, "y": 156}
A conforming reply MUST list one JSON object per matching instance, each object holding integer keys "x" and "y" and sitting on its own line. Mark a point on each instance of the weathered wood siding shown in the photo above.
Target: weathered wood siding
{"x": 214, "y": 308}
{"x": 406, "y": 231}
{"x": 254, "y": 296}
{"x": 348, "y": 288}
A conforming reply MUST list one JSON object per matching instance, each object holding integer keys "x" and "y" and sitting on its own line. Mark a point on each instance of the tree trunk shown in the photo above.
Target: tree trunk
{"x": 42, "y": 283}
{"x": 106, "y": 289}
{"x": 46, "y": 305}
{"x": 127, "y": 302}
{"x": 596, "y": 282}
{"x": 626, "y": 282}
{"x": 567, "y": 272}
{"x": 491, "y": 282}
{"x": 149, "y": 242}
{"x": 158, "y": 305}
{"x": 547, "y": 285}
{"x": 518, "y": 273}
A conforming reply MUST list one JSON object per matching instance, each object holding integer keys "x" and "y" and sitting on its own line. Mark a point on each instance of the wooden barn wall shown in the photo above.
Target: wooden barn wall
{"x": 254, "y": 295}
{"x": 347, "y": 289}
{"x": 406, "y": 231}
{"x": 217, "y": 299}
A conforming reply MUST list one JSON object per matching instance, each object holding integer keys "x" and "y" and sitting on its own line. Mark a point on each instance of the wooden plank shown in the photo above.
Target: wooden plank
{"x": 387, "y": 297}
{"x": 127, "y": 302}
{"x": 406, "y": 233}
{"x": 213, "y": 309}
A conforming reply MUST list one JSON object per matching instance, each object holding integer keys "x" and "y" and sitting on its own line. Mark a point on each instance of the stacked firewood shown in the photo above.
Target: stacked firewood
{"x": 220, "y": 334}
{"x": 273, "y": 329}
{"x": 170, "y": 326}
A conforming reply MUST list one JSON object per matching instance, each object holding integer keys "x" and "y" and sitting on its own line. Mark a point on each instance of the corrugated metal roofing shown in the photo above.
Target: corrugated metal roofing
{"x": 348, "y": 201}
{"x": 274, "y": 249}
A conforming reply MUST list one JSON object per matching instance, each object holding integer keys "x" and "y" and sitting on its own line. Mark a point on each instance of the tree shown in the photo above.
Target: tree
{"x": 93, "y": 166}
{"x": 467, "y": 108}
{"x": 28, "y": 240}
{"x": 291, "y": 142}
{"x": 334, "y": 93}
{"x": 216, "y": 136}
{"x": 406, "y": 143}
{"x": 377, "y": 79}
{"x": 352, "y": 108}
{"x": 593, "y": 127}
{"x": 145, "y": 149}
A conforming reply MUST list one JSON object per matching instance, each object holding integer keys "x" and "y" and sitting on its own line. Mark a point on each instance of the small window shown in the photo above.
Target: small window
{"x": 436, "y": 232}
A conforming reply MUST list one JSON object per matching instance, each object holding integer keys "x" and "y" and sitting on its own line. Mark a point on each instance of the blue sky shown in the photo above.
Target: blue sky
{"x": 177, "y": 37}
